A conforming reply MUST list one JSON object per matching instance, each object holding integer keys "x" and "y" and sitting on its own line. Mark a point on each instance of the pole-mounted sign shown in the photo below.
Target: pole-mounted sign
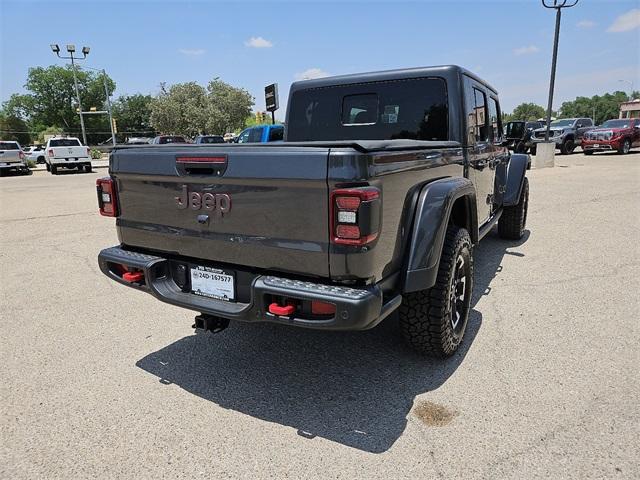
{"x": 271, "y": 99}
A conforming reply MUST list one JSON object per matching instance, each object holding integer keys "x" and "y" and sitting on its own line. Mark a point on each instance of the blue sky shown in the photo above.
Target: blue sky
{"x": 249, "y": 44}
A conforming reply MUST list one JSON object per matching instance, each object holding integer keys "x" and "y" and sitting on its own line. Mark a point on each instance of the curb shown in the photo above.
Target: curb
{"x": 44, "y": 169}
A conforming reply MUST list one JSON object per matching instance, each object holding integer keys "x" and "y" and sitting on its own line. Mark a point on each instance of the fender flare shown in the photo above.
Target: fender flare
{"x": 516, "y": 171}
{"x": 431, "y": 218}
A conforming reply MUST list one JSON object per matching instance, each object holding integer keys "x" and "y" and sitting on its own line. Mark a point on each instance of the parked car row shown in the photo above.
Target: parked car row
{"x": 619, "y": 135}
{"x": 255, "y": 134}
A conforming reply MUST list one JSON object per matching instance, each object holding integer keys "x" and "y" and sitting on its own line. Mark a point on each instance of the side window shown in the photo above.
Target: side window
{"x": 244, "y": 137}
{"x": 477, "y": 117}
{"x": 494, "y": 120}
{"x": 276, "y": 133}
{"x": 255, "y": 135}
{"x": 586, "y": 122}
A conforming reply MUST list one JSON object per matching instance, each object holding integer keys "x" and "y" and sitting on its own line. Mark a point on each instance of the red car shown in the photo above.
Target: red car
{"x": 619, "y": 134}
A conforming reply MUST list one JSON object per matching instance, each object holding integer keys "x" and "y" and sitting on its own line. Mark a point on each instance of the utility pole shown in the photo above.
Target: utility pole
{"x": 85, "y": 51}
{"x": 558, "y": 5}
{"x": 106, "y": 92}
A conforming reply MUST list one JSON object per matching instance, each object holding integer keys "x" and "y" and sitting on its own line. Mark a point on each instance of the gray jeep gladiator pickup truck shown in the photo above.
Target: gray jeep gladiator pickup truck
{"x": 373, "y": 203}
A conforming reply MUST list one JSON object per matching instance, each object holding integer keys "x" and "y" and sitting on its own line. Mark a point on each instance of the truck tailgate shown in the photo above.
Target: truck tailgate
{"x": 241, "y": 205}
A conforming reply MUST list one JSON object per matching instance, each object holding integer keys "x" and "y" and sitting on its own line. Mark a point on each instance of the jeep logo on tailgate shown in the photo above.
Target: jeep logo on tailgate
{"x": 213, "y": 202}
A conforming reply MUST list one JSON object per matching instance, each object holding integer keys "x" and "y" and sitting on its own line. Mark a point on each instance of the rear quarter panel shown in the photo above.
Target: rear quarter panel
{"x": 399, "y": 176}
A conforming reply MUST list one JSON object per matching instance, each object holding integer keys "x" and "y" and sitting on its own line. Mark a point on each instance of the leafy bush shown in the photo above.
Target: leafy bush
{"x": 96, "y": 154}
{"x": 31, "y": 164}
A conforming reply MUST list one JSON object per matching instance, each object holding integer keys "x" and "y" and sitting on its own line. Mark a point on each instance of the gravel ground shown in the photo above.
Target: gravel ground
{"x": 98, "y": 380}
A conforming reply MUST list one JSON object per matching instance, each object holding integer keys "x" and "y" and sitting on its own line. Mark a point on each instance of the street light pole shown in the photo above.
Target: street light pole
{"x": 85, "y": 51}
{"x": 558, "y": 5}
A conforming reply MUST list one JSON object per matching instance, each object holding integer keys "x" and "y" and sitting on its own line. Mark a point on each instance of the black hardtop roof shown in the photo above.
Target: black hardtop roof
{"x": 450, "y": 72}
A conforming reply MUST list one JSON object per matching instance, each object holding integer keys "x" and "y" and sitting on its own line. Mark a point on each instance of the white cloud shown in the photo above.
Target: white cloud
{"x": 526, "y": 50}
{"x": 311, "y": 73}
{"x": 626, "y": 22}
{"x": 586, "y": 24}
{"x": 192, "y": 52}
{"x": 258, "y": 42}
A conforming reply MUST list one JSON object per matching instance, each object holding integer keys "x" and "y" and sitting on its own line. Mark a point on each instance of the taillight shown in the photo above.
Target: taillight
{"x": 51, "y": 152}
{"x": 21, "y": 155}
{"x": 88, "y": 152}
{"x": 355, "y": 215}
{"x": 107, "y": 198}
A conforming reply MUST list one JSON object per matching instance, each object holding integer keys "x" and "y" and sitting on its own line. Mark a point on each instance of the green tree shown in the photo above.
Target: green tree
{"x": 133, "y": 115}
{"x": 528, "y": 112}
{"x": 189, "y": 109}
{"x": 228, "y": 107}
{"x": 180, "y": 109}
{"x": 51, "y": 99}
{"x": 14, "y": 128}
{"x": 601, "y": 107}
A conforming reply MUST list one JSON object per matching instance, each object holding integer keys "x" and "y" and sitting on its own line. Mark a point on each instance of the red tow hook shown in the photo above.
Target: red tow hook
{"x": 281, "y": 311}
{"x": 133, "y": 276}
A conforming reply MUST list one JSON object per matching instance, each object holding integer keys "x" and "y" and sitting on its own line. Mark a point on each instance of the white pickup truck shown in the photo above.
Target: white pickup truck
{"x": 67, "y": 152}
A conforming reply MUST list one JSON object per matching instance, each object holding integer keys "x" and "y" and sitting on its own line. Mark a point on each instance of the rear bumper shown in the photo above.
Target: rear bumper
{"x": 13, "y": 166}
{"x": 61, "y": 162}
{"x": 356, "y": 308}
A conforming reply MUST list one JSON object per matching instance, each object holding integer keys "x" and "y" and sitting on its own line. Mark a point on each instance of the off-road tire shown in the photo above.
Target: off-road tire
{"x": 426, "y": 316}
{"x": 514, "y": 219}
{"x": 568, "y": 146}
{"x": 588, "y": 152}
{"x": 625, "y": 147}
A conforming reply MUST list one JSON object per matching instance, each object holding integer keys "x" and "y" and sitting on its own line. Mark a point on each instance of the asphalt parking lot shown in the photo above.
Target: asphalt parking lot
{"x": 99, "y": 380}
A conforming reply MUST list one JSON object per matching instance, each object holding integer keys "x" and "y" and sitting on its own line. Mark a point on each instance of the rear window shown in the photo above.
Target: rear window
{"x": 9, "y": 146}
{"x": 212, "y": 139}
{"x": 401, "y": 109}
{"x": 276, "y": 134}
{"x": 64, "y": 142}
{"x": 172, "y": 140}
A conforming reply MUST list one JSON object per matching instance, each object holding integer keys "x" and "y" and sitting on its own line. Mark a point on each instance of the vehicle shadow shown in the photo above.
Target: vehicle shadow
{"x": 354, "y": 388}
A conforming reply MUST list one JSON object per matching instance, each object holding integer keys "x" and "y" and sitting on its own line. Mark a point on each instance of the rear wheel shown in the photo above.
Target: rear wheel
{"x": 534, "y": 150}
{"x": 514, "y": 219}
{"x": 433, "y": 321}
{"x": 87, "y": 168}
{"x": 54, "y": 170}
{"x": 625, "y": 147}
{"x": 40, "y": 160}
{"x": 567, "y": 147}
{"x": 521, "y": 147}
{"x": 48, "y": 167}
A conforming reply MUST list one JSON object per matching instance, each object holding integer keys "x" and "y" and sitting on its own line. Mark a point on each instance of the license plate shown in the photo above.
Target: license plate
{"x": 212, "y": 283}
{"x": 596, "y": 145}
